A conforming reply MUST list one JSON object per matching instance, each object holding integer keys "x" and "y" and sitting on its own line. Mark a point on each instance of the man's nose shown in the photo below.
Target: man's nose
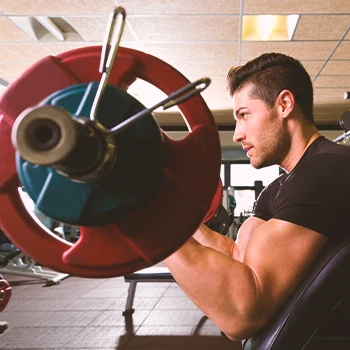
{"x": 238, "y": 134}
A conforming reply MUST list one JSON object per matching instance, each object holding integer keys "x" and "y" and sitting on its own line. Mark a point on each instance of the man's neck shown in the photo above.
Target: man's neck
{"x": 300, "y": 144}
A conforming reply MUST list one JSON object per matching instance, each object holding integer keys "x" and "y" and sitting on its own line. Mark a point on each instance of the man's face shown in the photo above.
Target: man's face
{"x": 260, "y": 130}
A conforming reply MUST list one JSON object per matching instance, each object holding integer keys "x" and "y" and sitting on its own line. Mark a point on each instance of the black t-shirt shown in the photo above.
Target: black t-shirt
{"x": 315, "y": 194}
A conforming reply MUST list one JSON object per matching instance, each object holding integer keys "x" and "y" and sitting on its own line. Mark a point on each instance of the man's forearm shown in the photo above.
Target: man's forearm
{"x": 214, "y": 240}
{"x": 228, "y": 297}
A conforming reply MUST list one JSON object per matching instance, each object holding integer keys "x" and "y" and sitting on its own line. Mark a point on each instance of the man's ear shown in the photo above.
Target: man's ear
{"x": 285, "y": 103}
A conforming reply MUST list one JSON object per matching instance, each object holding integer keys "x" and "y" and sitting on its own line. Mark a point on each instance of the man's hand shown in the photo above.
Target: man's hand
{"x": 209, "y": 238}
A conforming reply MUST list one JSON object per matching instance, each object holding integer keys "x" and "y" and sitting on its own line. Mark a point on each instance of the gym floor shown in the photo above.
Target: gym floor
{"x": 84, "y": 313}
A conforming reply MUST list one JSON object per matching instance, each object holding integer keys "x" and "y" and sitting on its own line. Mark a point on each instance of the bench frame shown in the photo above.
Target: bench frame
{"x": 151, "y": 274}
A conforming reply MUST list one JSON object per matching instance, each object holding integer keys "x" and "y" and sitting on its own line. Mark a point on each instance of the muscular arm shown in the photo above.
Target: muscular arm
{"x": 209, "y": 238}
{"x": 227, "y": 246}
{"x": 240, "y": 297}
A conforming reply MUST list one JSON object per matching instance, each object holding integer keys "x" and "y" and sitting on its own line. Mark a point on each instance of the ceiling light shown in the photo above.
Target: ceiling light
{"x": 269, "y": 27}
{"x": 46, "y": 29}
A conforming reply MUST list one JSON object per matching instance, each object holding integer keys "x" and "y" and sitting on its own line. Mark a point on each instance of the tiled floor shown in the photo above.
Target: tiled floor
{"x": 87, "y": 314}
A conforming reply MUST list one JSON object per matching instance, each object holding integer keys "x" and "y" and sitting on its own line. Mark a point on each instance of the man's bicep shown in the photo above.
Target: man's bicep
{"x": 243, "y": 236}
{"x": 280, "y": 253}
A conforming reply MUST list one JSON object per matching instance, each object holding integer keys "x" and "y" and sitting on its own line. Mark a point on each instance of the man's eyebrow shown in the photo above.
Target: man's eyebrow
{"x": 236, "y": 112}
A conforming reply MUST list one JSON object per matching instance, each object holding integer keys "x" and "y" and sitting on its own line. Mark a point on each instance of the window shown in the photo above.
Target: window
{"x": 242, "y": 178}
{"x": 245, "y": 174}
{"x": 222, "y": 173}
{"x": 245, "y": 200}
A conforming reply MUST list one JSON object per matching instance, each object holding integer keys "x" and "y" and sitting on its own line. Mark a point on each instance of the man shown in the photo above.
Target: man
{"x": 241, "y": 285}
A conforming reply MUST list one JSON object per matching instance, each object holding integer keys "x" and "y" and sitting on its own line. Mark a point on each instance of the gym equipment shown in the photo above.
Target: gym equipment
{"x": 156, "y": 274}
{"x": 220, "y": 222}
{"x": 215, "y": 204}
{"x": 345, "y": 121}
{"x": 3, "y": 326}
{"x": 5, "y": 293}
{"x": 345, "y": 125}
{"x": 132, "y": 232}
{"x": 14, "y": 262}
{"x": 17, "y": 264}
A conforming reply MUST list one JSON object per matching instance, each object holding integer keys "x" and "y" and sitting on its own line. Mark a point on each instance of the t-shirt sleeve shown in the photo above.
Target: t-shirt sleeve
{"x": 260, "y": 209}
{"x": 263, "y": 206}
{"x": 313, "y": 194}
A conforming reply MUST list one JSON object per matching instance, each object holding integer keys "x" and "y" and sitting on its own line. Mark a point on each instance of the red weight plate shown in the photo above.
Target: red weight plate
{"x": 143, "y": 237}
{"x": 216, "y": 202}
{"x": 5, "y": 294}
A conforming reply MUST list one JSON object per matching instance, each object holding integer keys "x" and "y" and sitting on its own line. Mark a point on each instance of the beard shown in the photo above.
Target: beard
{"x": 274, "y": 144}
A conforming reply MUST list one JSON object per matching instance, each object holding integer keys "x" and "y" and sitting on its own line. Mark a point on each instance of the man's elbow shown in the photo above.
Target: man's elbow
{"x": 243, "y": 329}
{"x": 247, "y": 321}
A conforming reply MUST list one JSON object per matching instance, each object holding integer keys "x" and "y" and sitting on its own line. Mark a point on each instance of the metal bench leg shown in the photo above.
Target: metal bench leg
{"x": 130, "y": 300}
{"x": 3, "y": 326}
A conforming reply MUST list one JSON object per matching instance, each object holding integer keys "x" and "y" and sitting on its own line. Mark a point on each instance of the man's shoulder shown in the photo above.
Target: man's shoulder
{"x": 323, "y": 164}
{"x": 323, "y": 147}
{"x": 323, "y": 170}
{"x": 323, "y": 158}
{"x": 320, "y": 177}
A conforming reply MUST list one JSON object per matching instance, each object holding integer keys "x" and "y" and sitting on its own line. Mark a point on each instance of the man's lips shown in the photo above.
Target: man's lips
{"x": 248, "y": 149}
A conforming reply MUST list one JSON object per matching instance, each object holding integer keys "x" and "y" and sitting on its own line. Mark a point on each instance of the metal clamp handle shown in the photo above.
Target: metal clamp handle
{"x": 179, "y": 96}
{"x": 108, "y": 54}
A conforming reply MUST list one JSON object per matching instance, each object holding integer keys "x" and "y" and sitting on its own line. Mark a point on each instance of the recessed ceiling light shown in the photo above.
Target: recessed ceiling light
{"x": 46, "y": 29}
{"x": 269, "y": 27}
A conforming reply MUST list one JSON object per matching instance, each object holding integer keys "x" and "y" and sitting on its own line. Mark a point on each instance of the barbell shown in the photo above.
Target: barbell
{"x": 137, "y": 195}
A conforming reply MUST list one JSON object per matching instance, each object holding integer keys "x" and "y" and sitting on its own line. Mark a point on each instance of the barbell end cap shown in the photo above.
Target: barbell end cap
{"x": 59, "y": 142}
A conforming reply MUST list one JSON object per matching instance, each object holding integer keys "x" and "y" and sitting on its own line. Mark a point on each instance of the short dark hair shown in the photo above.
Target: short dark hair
{"x": 270, "y": 74}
